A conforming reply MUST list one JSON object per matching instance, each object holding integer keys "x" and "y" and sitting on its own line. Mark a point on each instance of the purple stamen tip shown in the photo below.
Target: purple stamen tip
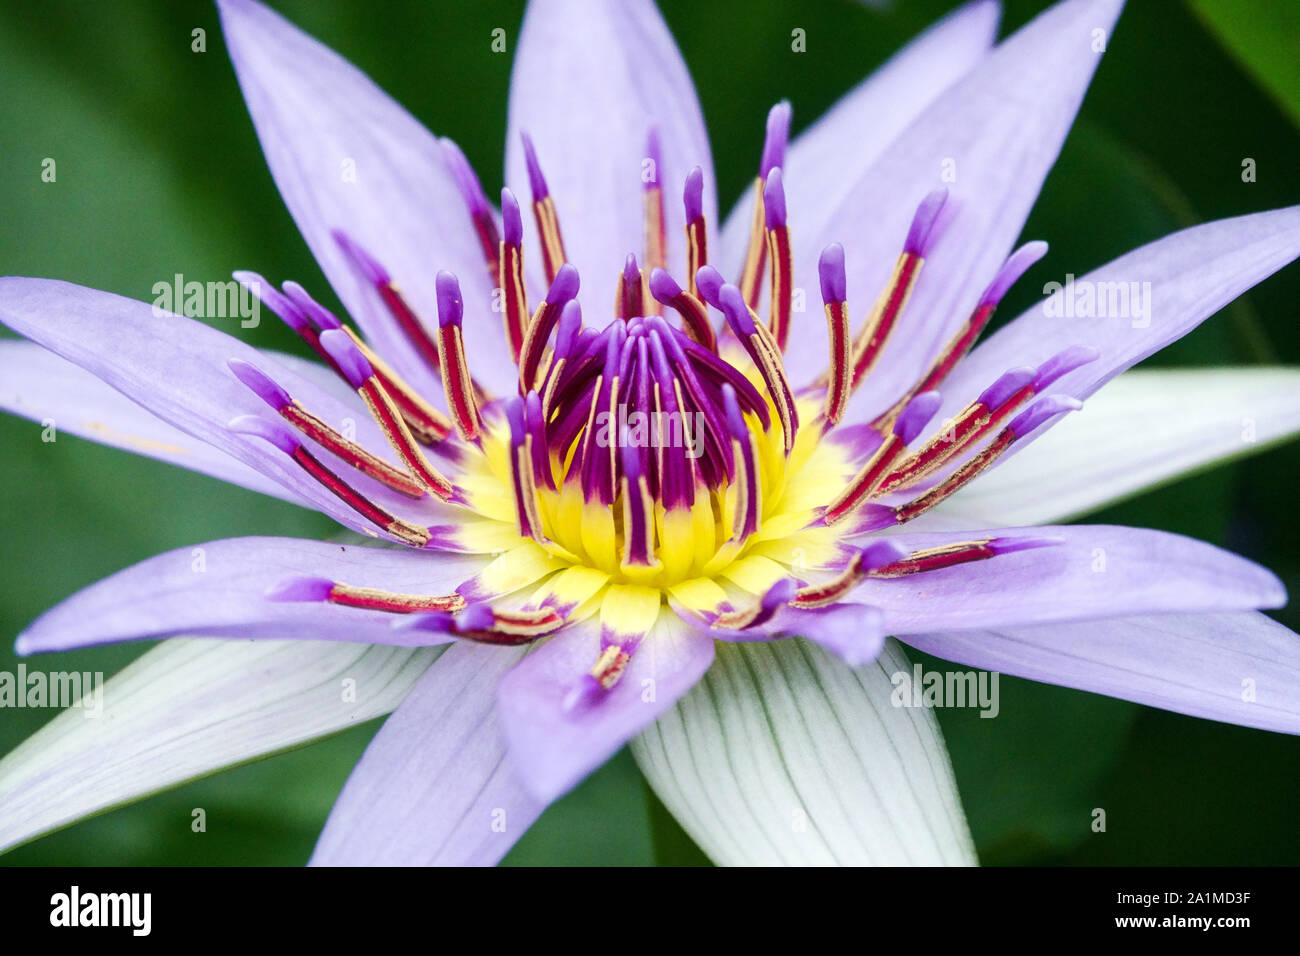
{"x": 923, "y": 234}
{"x": 1008, "y": 545}
{"x": 693, "y": 195}
{"x": 364, "y": 261}
{"x": 1039, "y": 413}
{"x": 630, "y": 457}
{"x": 300, "y": 589}
{"x": 734, "y": 308}
{"x": 533, "y": 410}
{"x": 271, "y": 432}
{"x": 830, "y": 269}
{"x": 512, "y": 224}
{"x": 565, "y": 286}
{"x": 274, "y": 300}
{"x": 880, "y": 553}
{"x": 515, "y": 418}
{"x": 536, "y": 181}
{"x": 631, "y": 271}
{"x": 476, "y": 617}
{"x": 569, "y": 328}
{"x": 654, "y": 154}
{"x": 778, "y": 134}
{"x": 1008, "y": 384}
{"x": 355, "y": 366}
{"x": 1015, "y": 266}
{"x": 323, "y": 317}
{"x": 916, "y": 416}
{"x": 1064, "y": 362}
{"x": 735, "y": 420}
{"x": 710, "y": 282}
{"x": 260, "y": 383}
{"x": 463, "y": 173}
{"x": 663, "y": 286}
{"x": 774, "y": 211}
{"x": 450, "y": 306}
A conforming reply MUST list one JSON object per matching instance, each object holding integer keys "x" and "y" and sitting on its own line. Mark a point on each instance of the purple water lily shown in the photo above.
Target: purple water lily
{"x": 583, "y": 511}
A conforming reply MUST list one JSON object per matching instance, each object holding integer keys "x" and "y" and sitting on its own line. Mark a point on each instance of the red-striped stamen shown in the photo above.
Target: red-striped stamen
{"x": 748, "y": 507}
{"x": 314, "y": 428}
{"x": 308, "y": 318}
{"x": 697, "y": 239}
{"x": 963, "y": 552}
{"x": 758, "y": 612}
{"x": 880, "y": 517}
{"x": 871, "y": 339}
{"x": 781, "y": 258}
{"x": 428, "y": 425}
{"x": 451, "y": 358}
{"x": 548, "y": 223}
{"x": 656, "y": 238}
{"x": 514, "y": 294}
{"x": 361, "y": 376}
{"x": 960, "y": 344}
{"x": 484, "y": 624}
{"x": 523, "y": 472}
{"x": 371, "y": 599}
{"x": 563, "y": 288}
{"x": 762, "y": 350}
{"x": 629, "y": 293}
{"x": 638, "y": 511}
{"x": 863, "y": 562}
{"x": 695, "y": 317}
{"x": 834, "y": 284}
{"x": 278, "y": 434}
{"x": 778, "y": 133}
{"x": 568, "y": 344}
{"x": 373, "y": 272}
{"x": 995, "y": 405}
{"x": 892, "y": 447}
{"x": 480, "y": 213}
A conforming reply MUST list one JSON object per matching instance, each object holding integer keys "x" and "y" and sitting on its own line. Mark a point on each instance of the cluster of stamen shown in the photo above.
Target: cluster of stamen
{"x": 626, "y": 440}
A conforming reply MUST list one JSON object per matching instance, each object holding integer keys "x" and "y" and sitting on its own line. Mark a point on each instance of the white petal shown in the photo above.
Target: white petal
{"x": 1238, "y": 668}
{"x": 1142, "y": 429}
{"x": 783, "y": 755}
{"x": 188, "y": 708}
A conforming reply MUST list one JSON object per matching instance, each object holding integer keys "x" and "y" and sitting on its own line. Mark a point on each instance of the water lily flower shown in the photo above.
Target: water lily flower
{"x": 623, "y": 487}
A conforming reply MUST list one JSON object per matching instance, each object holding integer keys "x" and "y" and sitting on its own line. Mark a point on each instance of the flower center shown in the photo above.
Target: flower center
{"x": 652, "y": 458}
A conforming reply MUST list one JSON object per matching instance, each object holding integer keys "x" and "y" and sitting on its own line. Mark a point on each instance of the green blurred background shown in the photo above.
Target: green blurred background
{"x": 159, "y": 172}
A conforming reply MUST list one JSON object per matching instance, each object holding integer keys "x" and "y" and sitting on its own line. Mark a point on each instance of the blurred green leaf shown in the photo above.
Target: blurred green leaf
{"x": 1265, "y": 36}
